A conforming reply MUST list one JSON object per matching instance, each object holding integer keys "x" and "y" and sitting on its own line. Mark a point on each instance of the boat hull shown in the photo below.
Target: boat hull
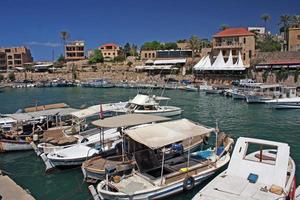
{"x": 161, "y": 112}
{"x": 257, "y": 99}
{"x": 10, "y": 145}
{"x": 157, "y": 193}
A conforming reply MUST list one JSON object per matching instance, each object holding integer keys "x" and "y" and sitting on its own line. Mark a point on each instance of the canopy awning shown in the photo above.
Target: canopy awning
{"x": 128, "y": 120}
{"x": 162, "y": 134}
{"x": 34, "y": 115}
{"x": 94, "y": 110}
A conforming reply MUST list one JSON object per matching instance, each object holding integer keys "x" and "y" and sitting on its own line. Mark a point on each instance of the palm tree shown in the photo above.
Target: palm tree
{"x": 265, "y": 17}
{"x": 295, "y": 20}
{"x": 285, "y": 23}
{"x": 195, "y": 44}
{"x": 64, "y": 35}
{"x": 224, "y": 26}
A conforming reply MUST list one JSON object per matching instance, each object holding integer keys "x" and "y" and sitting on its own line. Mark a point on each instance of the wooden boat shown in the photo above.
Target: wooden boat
{"x": 156, "y": 178}
{"x": 266, "y": 174}
{"x": 94, "y": 168}
{"x": 147, "y": 104}
{"x": 297, "y": 193}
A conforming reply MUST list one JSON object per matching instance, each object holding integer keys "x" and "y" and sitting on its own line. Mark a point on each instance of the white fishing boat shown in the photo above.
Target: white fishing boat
{"x": 263, "y": 93}
{"x": 94, "y": 168}
{"x": 238, "y": 94}
{"x": 284, "y": 103}
{"x": 147, "y": 104}
{"x": 258, "y": 169}
{"x": 288, "y": 100}
{"x": 76, "y": 154}
{"x": 156, "y": 178}
{"x": 58, "y": 140}
{"x": 192, "y": 88}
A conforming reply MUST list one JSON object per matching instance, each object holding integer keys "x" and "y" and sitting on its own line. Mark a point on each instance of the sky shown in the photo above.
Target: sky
{"x": 37, "y": 23}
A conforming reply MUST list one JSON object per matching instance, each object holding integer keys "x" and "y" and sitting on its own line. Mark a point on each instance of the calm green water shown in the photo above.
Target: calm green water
{"x": 235, "y": 117}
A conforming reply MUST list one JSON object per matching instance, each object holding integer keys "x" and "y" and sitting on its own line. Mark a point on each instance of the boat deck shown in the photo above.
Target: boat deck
{"x": 98, "y": 164}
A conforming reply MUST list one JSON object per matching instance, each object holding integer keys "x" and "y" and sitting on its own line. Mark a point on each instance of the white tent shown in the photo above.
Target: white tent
{"x": 229, "y": 62}
{"x": 199, "y": 63}
{"x": 219, "y": 63}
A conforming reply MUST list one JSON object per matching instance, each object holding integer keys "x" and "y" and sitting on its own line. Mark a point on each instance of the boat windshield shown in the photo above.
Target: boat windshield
{"x": 261, "y": 153}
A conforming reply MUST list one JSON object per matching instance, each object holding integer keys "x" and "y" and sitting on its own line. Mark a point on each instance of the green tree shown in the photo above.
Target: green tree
{"x": 97, "y": 57}
{"x": 154, "y": 45}
{"x": 268, "y": 44}
{"x": 11, "y": 76}
{"x": 1, "y": 77}
{"x": 127, "y": 49}
{"x": 61, "y": 58}
{"x": 195, "y": 44}
{"x": 129, "y": 64}
{"x": 265, "y": 17}
{"x": 224, "y": 26}
{"x": 170, "y": 45}
{"x": 295, "y": 21}
{"x": 133, "y": 50}
{"x": 119, "y": 59}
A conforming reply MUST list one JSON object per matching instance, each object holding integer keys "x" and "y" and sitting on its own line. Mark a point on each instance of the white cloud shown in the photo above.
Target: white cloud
{"x": 46, "y": 44}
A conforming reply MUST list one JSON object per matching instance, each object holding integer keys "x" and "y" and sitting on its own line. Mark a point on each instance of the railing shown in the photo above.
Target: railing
{"x": 227, "y": 44}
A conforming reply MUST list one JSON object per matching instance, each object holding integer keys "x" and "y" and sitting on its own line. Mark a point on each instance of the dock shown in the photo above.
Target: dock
{"x": 9, "y": 190}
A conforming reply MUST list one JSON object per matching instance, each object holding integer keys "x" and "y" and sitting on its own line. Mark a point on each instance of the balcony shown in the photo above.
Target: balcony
{"x": 227, "y": 45}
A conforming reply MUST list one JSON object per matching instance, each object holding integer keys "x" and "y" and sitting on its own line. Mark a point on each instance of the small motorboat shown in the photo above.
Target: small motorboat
{"x": 266, "y": 174}
{"x": 284, "y": 103}
{"x": 147, "y": 104}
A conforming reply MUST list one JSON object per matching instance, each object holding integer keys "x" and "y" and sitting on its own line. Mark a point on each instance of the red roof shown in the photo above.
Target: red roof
{"x": 109, "y": 44}
{"x": 234, "y": 32}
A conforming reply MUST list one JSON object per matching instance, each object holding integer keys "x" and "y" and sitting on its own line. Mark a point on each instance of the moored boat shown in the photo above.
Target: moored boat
{"x": 266, "y": 174}
{"x": 284, "y": 103}
{"x": 149, "y": 104}
{"x": 156, "y": 178}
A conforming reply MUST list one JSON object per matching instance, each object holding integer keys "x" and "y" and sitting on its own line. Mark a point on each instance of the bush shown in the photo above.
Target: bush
{"x": 119, "y": 59}
{"x": 265, "y": 75}
{"x": 296, "y": 75}
{"x": 282, "y": 75}
{"x": 11, "y": 76}
{"x": 129, "y": 64}
{"x": 97, "y": 57}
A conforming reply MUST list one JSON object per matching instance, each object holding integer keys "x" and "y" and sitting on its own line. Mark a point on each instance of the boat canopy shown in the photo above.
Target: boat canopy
{"x": 34, "y": 115}
{"x": 128, "y": 120}
{"x": 156, "y": 136}
{"x": 94, "y": 110}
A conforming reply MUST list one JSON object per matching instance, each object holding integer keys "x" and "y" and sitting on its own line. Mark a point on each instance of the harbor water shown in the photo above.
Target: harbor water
{"x": 234, "y": 117}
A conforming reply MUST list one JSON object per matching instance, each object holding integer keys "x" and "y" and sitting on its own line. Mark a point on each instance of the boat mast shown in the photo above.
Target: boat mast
{"x": 162, "y": 165}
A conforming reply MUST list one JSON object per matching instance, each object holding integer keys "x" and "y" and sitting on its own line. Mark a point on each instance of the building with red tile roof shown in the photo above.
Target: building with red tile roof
{"x": 235, "y": 40}
{"x": 109, "y": 50}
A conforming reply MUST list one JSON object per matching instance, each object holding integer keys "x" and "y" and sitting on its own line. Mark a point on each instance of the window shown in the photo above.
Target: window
{"x": 244, "y": 56}
{"x": 146, "y": 55}
{"x": 149, "y": 55}
{"x": 244, "y": 40}
{"x": 224, "y": 52}
{"x": 250, "y": 53}
{"x": 7, "y": 51}
{"x": 261, "y": 153}
{"x": 9, "y": 57}
{"x": 153, "y": 55}
{"x": 108, "y": 54}
{"x": 17, "y": 56}
{"x": 298, "y": 37}
{"x": 113, "y": 54}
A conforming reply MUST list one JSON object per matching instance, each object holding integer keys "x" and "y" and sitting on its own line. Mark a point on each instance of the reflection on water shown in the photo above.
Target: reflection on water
{"x": 233, "y": 116}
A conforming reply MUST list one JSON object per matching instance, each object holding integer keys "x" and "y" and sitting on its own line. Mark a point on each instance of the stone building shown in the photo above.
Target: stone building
{"x": 237, "y": 40}
{"x": 74, "y": 51}
{"x": 110, "y": 51}
{"x": 293, "y": 39}
{"x": 13, "y": 57}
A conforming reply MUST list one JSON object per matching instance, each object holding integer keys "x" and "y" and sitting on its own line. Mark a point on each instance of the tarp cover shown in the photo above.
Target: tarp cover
{"x": 162, "y": 134}
{"x": 128, "y": 120}
{"x": 94, "y": 110}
